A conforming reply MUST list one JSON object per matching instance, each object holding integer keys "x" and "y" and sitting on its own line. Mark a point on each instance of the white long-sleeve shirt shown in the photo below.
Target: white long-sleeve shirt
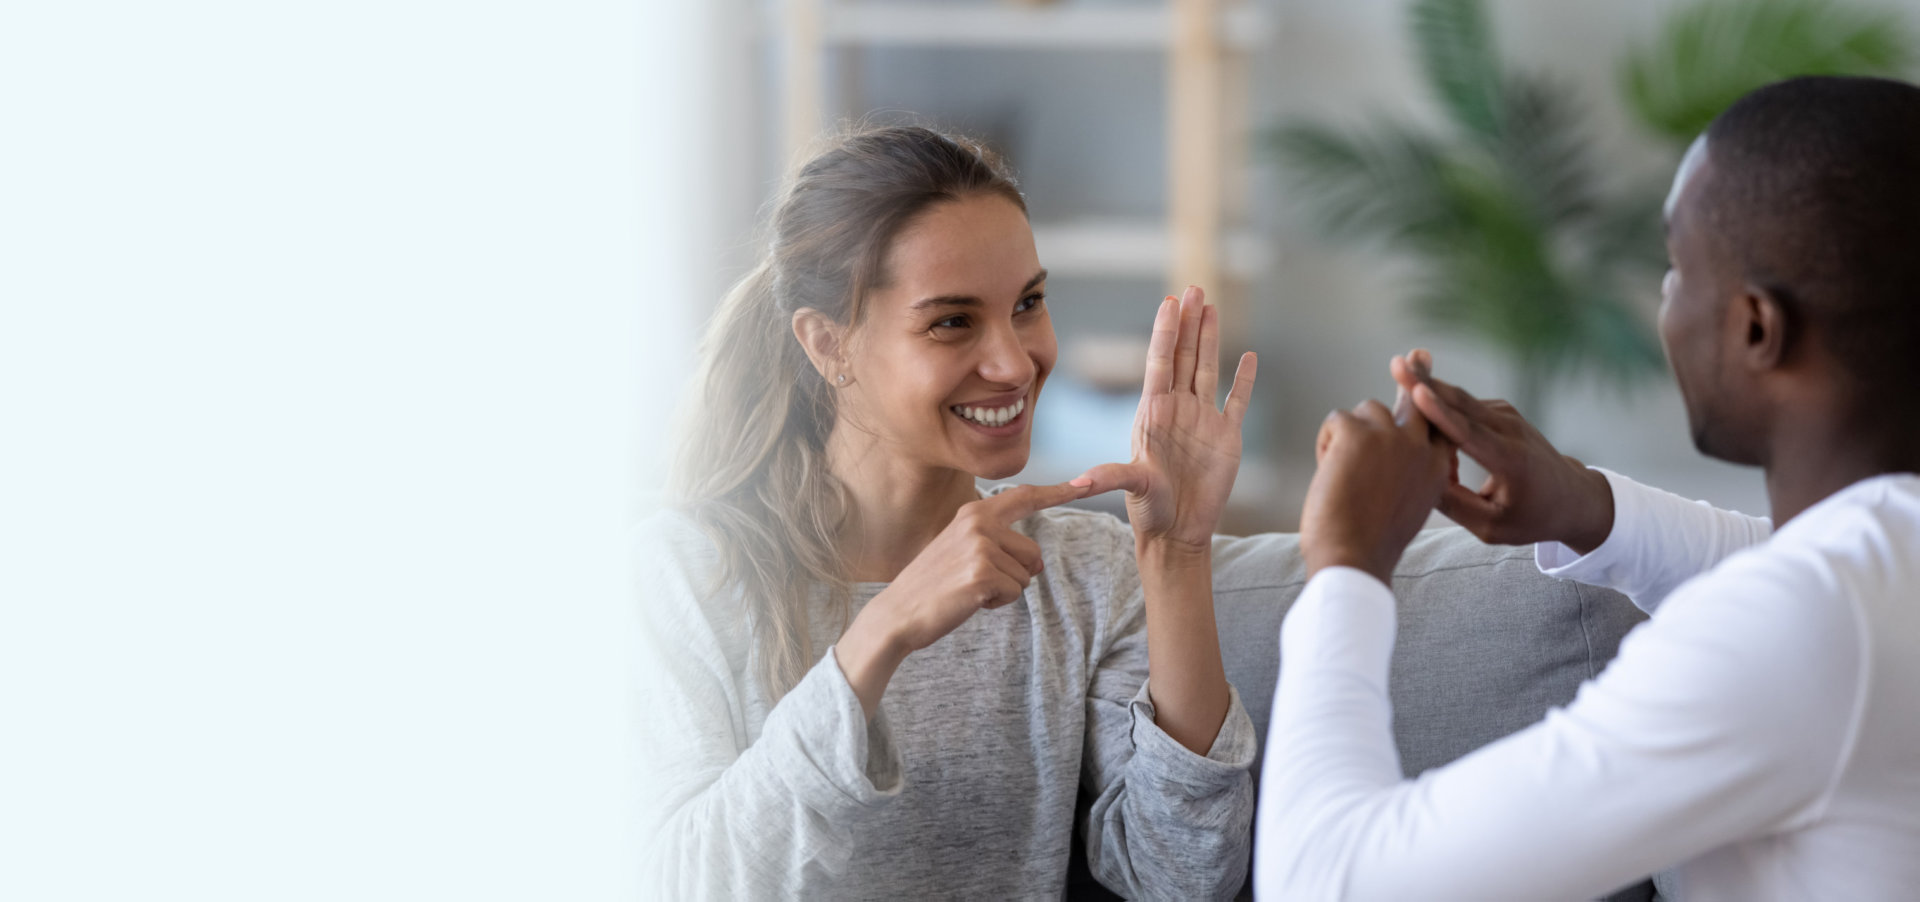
{"x": 1762, "y": 731}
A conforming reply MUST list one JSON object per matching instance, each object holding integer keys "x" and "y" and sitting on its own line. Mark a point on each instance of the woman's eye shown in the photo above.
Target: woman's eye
{"x": 951, "y": 322}
{"x": 1029, "y": 302}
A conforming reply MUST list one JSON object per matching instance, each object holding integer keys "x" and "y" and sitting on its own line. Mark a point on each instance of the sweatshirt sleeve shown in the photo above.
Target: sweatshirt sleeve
{"x": 723, "y": 817}
{"x": 1693, "y": 738}
{"x": 1659, "y": 540}
{"x": 1165, "y": 823}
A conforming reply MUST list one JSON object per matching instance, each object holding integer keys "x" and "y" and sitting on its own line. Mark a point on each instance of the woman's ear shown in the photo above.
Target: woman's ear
{"x": 824, "y": 341}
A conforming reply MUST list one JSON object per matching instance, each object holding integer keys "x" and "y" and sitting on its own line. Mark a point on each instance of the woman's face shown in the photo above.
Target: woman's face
{"x": 949, "y": 360}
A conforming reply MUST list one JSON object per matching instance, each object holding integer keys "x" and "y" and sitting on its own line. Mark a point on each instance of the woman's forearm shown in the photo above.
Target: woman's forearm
{"x": 1187, "y": 682}
{"x": 869, "y": 654}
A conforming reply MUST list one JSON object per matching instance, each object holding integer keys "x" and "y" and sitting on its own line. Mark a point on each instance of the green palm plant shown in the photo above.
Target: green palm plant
{"x": 1707, "y": 55}
{"x": 1501, "y": 213}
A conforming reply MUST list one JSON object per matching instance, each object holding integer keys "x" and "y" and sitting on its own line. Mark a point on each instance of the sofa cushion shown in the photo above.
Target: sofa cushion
{"x": 1486, "y": 642}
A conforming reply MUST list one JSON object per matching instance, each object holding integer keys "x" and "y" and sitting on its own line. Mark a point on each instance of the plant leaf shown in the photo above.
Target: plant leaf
{"x": 1544, "y": 152}
{"x": 1456, "y": 50}
{"x": 1709, "y": 54}
{"x": 1384, "y": 183}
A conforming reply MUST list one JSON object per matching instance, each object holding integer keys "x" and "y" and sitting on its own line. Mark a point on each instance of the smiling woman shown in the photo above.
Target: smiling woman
{"x": 952, "y": 372}
{"x": 865, "y": 679}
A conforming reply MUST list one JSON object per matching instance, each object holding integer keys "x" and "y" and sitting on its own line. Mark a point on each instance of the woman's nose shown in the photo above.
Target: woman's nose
{"x": 1004, "y": 358}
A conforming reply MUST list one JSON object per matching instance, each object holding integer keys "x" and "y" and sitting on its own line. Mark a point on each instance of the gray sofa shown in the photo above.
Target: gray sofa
{"x": 1486, "y": 643}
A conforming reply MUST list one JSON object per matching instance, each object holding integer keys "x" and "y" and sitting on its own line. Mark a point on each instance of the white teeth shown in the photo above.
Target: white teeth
{"x": 987, "y": 416}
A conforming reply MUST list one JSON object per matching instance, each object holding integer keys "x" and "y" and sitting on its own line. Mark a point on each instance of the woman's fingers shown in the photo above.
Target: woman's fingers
{"x": 1160, "y": 348}
{"x": 1024, "y": 549}
{"x": 1023, "y": 501}
{"x": 1009, "y": 568}
{"x": 1206, "y": 370}
{"x": 1242, "y": 392}
{"x": 1187, "y": 349}
{"x": 1108, "y": 477}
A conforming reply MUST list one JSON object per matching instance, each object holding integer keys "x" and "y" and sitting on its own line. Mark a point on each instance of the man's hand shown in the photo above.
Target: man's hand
{"x": 1377, "y": 480}
{"x": 1533, "y": 493}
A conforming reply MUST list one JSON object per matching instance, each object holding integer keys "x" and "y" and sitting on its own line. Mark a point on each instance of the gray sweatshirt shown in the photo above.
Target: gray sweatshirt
{"x": 964, "y": 784}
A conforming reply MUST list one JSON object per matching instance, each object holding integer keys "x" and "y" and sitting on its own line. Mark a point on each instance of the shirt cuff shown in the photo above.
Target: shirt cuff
{"x": 1226, "y": 763}
{"x": 1596, "y": 567}
{"x": 827, "y": 750}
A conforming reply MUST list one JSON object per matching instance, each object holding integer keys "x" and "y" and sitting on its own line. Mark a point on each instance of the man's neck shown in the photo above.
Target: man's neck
{"x": 896, "y": 508}
{"x": 1814, "y": 457}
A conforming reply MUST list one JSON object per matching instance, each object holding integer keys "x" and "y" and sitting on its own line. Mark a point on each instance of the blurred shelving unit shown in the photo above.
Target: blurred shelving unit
{"x": 1203, "y": 41}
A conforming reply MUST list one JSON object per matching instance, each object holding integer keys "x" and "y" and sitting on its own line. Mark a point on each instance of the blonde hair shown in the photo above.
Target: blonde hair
{"x": 752, "y": 469}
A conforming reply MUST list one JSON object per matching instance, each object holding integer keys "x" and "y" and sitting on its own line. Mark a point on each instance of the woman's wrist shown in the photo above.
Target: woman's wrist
{"x": 1169, "y": 554}
{"x": 869, "y": 652}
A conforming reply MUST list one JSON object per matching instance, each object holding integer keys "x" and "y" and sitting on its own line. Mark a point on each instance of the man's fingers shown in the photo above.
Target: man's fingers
{"x": 1187, "y": 349}
{"x": 1402, "y": 402}
{"x": 1241, "y": 394}
{"x": 1466, "y": 507}
{"x": 1451, "y": 421}
{"x": 1374, "y": 412}
{"x": 1023, "y": 501}
{"x": 1403, "y": 373}
{"x": 1412, "y": 422}
{"x": 1419, "y": 363}
{"x": 1166, "y": 334}
{"x": 1206, "y": 371}
{"x": 1108, "y": 477}
{"x": 1337, "y": 422}
{"x": 1453, "y": 394}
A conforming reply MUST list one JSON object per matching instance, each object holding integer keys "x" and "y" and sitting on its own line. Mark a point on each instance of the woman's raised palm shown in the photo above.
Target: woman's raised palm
{"x": 1186, "y": 451}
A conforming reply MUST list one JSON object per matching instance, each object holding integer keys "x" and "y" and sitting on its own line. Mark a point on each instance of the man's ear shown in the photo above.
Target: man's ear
{"x": 1762, "y": 317}
{"x": 823, "y": 340}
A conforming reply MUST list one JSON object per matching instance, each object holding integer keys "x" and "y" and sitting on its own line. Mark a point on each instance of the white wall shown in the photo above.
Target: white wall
{"x": 317, "y": 380}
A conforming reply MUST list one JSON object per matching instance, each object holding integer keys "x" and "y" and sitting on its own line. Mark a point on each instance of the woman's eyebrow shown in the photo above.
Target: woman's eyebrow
{"x": 945, "y": 300}
{"x": 967, "y": 300}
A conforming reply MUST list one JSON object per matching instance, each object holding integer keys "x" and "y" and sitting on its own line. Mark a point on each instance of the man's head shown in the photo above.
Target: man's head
{"x": 1794, "y": 236}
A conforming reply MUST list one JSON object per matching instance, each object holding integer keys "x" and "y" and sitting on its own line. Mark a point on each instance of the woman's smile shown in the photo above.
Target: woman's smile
{"x": 998, "y": 417}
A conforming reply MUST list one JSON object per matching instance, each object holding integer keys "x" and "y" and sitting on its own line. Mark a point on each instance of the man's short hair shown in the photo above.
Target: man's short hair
{"x": 1816, "y": 194}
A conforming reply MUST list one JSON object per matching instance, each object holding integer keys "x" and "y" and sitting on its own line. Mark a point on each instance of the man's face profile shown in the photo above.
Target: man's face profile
{"x": 1693, "y": 294}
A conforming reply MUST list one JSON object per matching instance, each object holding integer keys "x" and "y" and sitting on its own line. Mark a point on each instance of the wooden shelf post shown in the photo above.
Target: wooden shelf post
{"x": 1194, "y": 148}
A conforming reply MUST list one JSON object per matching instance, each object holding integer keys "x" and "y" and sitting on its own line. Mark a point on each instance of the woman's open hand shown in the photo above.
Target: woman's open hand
{"x": 1186, "y": 451}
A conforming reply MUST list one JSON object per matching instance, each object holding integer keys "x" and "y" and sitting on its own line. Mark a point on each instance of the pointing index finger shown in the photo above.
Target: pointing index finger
{"x": 1023, "y": 501}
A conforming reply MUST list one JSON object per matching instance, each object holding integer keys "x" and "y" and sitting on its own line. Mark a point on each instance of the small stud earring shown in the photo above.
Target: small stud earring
{"x": 842, "y": 378}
